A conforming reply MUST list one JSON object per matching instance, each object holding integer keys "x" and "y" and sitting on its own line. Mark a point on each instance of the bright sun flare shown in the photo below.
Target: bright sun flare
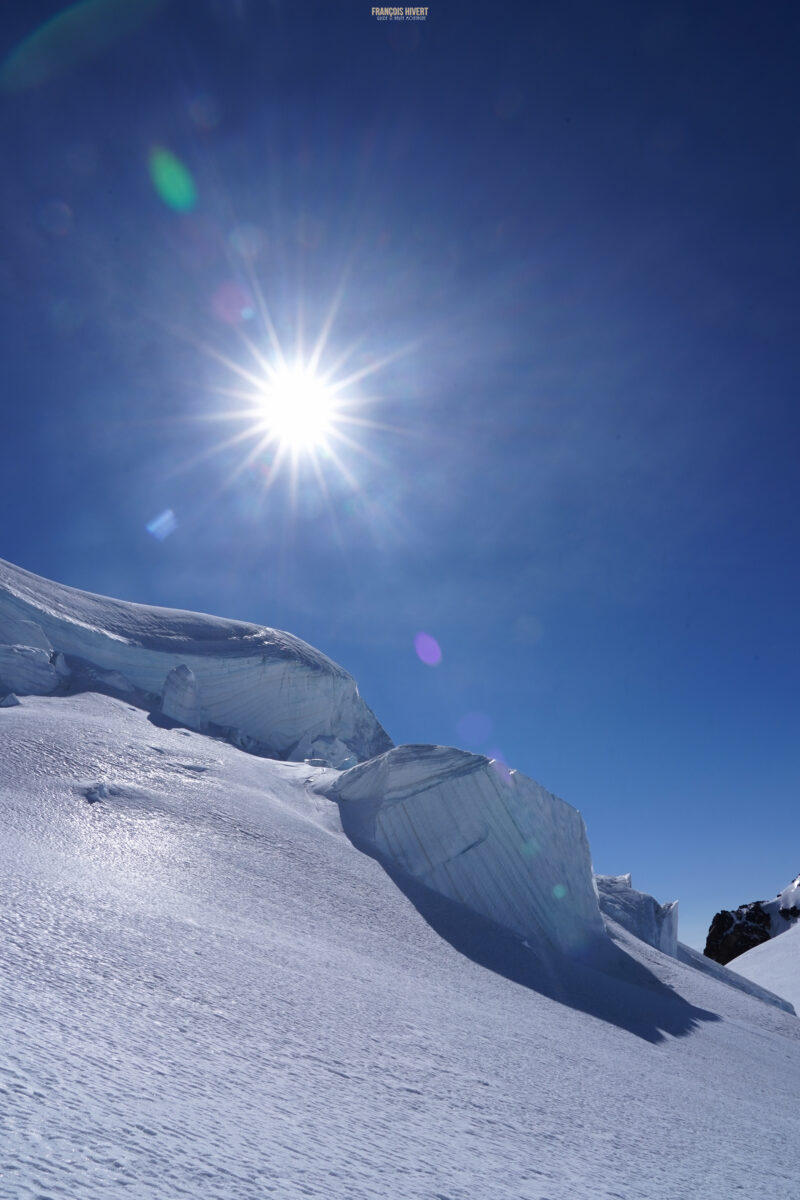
{"x": 298, "y": 409}
{"x": 298, "y": 418}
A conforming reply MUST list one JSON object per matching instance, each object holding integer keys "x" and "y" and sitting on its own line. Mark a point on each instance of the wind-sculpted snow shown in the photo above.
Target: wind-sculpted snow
{"x": 481, "y": 835}
{"x": 640, "y": 914}
{"x": 269, "y": 687}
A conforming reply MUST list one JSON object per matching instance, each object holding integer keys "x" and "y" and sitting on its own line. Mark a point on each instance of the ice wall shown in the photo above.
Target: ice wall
{"x": 479, "y": 834}
{"x": 640, "y": 914}
{"x": 260, "y": 683}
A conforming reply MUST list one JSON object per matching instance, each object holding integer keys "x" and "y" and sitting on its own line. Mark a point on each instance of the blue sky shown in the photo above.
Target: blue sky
{"x": 569, "y": 235}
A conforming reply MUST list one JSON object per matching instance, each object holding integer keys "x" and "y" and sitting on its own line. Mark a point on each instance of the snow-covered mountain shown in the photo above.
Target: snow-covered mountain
{"x": 735, "y": 932}
{"x": 208, "y": 990}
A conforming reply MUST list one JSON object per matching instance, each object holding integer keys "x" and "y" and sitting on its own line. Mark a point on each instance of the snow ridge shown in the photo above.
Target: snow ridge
{"x": 269, "y": 689}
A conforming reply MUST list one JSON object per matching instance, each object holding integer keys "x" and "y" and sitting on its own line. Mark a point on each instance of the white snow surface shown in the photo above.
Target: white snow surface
{"x": 790, "y": 896}
{"x": 207, "y": 991}
{"x": 475, "y": 832}
{"x": 642, "y": 915}
{"x": 775, "y": 964}
{"x": 264, "y": 685}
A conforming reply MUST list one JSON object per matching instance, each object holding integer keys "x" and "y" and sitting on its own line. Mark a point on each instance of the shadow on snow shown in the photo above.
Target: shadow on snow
{"x": 605, "y": 982}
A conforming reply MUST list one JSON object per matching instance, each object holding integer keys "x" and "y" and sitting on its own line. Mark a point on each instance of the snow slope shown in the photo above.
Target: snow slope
{"x": 265, "y": 687}
{"x": 206, "y": 991}
{"x": 775, "y": 964}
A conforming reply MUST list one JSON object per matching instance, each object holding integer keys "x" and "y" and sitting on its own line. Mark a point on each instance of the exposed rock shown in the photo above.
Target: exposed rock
{"x": 732, "y": 933}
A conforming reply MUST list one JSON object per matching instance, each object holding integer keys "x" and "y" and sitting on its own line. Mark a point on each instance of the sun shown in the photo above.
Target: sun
{"x": 301, "y": 419}
{"x": 297, "y": 410}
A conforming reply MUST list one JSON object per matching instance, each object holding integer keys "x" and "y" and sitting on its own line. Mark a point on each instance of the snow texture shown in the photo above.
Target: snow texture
{"x": 775, "y": 964}
{"x": 488, "y": 838}
{"x": 728, "y": 976}
{"x": 206, "y": 992}
{"x": 270, "y": 687}
{"x": 654, "y": 923}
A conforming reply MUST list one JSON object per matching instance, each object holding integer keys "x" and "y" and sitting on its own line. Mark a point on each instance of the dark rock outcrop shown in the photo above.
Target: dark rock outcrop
{"x": 735, "y": 931}
{"x": 732, "y": 933}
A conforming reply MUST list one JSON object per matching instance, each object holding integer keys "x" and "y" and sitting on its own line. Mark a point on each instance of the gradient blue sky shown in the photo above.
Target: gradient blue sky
{"x": 572, "y": 229}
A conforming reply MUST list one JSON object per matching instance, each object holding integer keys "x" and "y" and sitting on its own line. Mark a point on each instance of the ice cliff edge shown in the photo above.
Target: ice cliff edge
{"x": 263, "y": 685}
{"x": 479, "y": 834}
{"x": 469, "y": 829}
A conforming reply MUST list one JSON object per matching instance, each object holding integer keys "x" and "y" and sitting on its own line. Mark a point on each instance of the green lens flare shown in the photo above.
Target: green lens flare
{"x": 68, "y": 39}
{"x": 171, "y": 180}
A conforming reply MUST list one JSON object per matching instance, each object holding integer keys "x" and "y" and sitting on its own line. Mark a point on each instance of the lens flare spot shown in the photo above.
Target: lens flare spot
{"x": 559, "y": 891}
{"x": 163, "y": 525}
{"x": 231, "y": 303}
{"x": 172, "y": 180}
{"x": 80, "y": 32}
{"x": 428, "y": 649}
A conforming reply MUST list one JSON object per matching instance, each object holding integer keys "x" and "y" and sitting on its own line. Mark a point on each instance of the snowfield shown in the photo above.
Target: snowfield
{"x": 208, "y": 991}
{"x": 775, "y": 964}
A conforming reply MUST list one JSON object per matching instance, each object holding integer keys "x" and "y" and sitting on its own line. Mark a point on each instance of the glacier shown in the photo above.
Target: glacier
{"x": 207, "y": 992}
{"x": 483, "y": 837}
{"x": 473, "y": 831}
{"x": 267, "y": 689}
{"x": 642, "y": 915}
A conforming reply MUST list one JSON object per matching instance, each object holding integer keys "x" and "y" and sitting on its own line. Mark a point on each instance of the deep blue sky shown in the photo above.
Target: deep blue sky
{"x": 578, "y": 223}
